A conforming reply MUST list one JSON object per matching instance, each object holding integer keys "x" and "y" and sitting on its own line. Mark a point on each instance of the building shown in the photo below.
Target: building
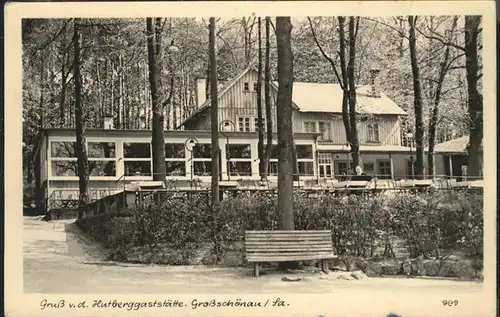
{"x": 318, "y": 109}
{"x": 454, "y": 156}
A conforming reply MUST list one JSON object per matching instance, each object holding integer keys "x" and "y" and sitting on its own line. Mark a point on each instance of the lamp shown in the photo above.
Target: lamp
{"x": 172, "y": 47}
{"x": 225, "y": 127}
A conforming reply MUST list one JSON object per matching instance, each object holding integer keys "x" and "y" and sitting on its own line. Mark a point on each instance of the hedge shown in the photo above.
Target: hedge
{"x": 425, "y": 222}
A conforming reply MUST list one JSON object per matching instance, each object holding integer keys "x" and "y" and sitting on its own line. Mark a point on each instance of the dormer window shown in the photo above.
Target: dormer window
{"x": 246, "y": 87}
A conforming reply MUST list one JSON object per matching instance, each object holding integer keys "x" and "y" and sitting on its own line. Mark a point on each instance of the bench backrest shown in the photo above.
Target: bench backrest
{"x": 284, "y": 243}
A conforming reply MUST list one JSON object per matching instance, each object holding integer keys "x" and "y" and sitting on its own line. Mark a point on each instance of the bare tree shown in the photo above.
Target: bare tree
{"x": 267, "y": 99}
{"x": 81, "y": 148}
{"x": 417, "y": 99}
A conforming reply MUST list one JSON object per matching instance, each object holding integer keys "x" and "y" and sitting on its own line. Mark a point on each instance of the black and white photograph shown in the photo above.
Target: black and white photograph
{"x": 253, "y": 162}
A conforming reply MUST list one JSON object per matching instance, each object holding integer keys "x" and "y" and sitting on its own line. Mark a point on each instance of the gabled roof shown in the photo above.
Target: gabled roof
{"x": 312, "y": 97}
{"x": 322, "y": 97}
{"x": 458, "y": 145}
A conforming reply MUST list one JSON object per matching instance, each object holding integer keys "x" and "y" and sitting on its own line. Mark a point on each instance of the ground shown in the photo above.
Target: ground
{"x": 59, "y": 259}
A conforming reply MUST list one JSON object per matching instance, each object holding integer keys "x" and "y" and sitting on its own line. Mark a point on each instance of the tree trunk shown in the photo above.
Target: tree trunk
{"x": 62, "y": 96}
{"x": 417, "y": 101}
{"x": 267, "y": 99}
{"x": 120, "y": 92}
{"x": 353, "y": 139}
{"x": 285, "y": 132}
{"x": 158, "y": 141}
{"x": 475, "y": 98}
{"x": 443, "y": 70}
{"x": 344, "y": 80}
{"x": 284, "y": 115}
{"x": 262, "y": 160}
{"x": 81, "y": 148}
{"x": 214, "y": 114}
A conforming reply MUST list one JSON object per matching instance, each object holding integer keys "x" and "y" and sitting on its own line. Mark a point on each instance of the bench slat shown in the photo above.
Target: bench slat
{"x": 290, "y": 258}
{"x": 297, "y": 236}
{"x": 287, "y": 231}
{"x": 289, "y": 248}
{"x": 288, "y": 243}
{"x": 289, "y": 253}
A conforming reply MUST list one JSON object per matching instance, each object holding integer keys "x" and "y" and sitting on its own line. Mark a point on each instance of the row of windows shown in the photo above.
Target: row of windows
{"x": 137, "y": 158}
{"x": 250, "y": 124}
{"x": 324, "y": 129}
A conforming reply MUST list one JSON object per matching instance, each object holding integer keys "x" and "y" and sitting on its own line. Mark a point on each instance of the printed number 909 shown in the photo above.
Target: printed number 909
{"x": 450, "y": 302}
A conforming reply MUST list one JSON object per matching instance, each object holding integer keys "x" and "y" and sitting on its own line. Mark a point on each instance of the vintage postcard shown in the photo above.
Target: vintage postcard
{"x": 250, "y": 159}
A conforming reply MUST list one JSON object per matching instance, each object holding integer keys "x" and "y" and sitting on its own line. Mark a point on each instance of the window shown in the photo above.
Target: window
{"x": 256, "y": 122}
{"x": 244, "y": 124}
{"x": 272, "y": 169}
{"x": 325, "y": 164}
{"x": 246, "y": 87}
{"x": 102, "y": 158}
{"x": 310, "y": 126}
{"x": 384, "y": 169}
{"x": 255, "y": 86}
{"x": 305, "y": 159}
{"x": 175, "y": 159}
{"x": 373, "y": 135}
{"x": 202, "y": 159}
{"x": 137, "y": 158}
{"x": 368, "y": 168}
{"x": 63, "y": 158}
{"x": 239, "y": 158}
{"x": 324, "y": 129}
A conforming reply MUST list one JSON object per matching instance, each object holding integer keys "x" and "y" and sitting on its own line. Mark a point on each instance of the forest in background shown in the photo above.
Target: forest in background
{"x": 114, "y": 67}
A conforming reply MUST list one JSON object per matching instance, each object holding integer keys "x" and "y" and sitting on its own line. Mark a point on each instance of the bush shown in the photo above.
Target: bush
{"x": 441, "y": 219}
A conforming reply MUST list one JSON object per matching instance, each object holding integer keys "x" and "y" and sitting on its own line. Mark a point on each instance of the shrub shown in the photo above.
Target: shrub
{"x": 441, "y": 219}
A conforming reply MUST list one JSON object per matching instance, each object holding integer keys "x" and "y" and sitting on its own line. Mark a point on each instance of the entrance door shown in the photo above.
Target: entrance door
{"x": 325, "y": 165}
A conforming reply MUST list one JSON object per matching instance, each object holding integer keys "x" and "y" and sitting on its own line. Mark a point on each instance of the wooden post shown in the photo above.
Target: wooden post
{"x": 256, "y": 269}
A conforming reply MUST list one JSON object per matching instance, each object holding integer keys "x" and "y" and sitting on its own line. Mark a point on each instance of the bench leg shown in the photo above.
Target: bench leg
{"x": 256, "y": 269}
{"x": 324, "y": 266}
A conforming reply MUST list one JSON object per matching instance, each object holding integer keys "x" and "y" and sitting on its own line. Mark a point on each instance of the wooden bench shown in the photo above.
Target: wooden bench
{"x": 288, "y": 245}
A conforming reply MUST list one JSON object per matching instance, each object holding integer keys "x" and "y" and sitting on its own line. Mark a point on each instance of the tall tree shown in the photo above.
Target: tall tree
{"x": 260, "y": 147}
{"x": 267, "y": 99}
{"x": 417, "y": 99}
{"x": 444, "y": 67}
{"x": 346, "y": 78}
{"x": 81, "y": 147}
{"x": 284, "y": 115}
{"x": 214, "y": 111}
{"x": 475, "y": 98}
{"x": 158, "y": 138}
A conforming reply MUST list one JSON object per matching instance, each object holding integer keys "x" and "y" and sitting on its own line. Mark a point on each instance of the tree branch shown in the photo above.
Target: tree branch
{"x": 441, "y": 40}
{"x": 328, "y": 58}
{"x": 400, "y": 33}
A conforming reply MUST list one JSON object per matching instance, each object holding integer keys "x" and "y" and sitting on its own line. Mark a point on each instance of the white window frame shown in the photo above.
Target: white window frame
{"x": 255, "y": 86}
{"x": 379, "y": 173}
{"x": 242, "y": 123}
{"x": 310, "y": 123}
{"x": 201, "y": 159}
{"x": 104, "y": 159}
{"x": 246, "y": 86}
{"x": 138, "y": 159}
{"x": 230, "y": 159}
{"x": 304, "y": 160}
{"x": 178, "y": 159}
{"x": 325, "y": 159}
{"x": 373, "y": 130}
{"x": 56, "y": 158}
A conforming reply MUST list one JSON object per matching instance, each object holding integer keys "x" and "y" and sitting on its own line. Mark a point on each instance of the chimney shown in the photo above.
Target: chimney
{"x": 374, "y": 89}
{"x": 200, "y": 91}
{"x": 108, "y": 123}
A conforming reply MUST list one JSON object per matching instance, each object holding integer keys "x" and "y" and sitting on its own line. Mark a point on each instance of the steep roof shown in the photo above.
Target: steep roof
{"x": 458, "y": 145}
{"x": 312, "y": 97}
